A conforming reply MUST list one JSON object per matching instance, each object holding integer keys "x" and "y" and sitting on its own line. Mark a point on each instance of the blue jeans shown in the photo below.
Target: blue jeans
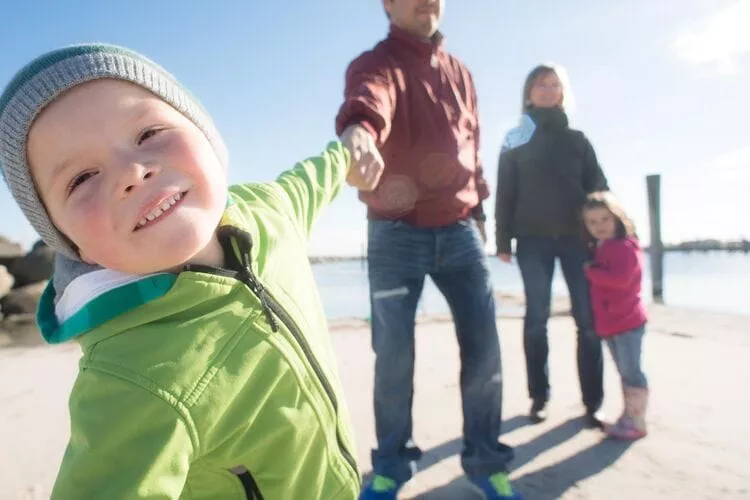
{"x": 626, "y": 351}
{"x": 400, "y": 256}
{"x": 536, "y": 259}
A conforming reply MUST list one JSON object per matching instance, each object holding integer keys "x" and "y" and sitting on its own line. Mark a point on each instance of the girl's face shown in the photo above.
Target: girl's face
{"x": 547, "y": 91}
{"x": 600, "y": 223}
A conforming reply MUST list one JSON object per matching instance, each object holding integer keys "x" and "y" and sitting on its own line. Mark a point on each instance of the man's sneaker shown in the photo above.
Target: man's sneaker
{"x": 380, "y": 488}
{"x": 497, "y": 487}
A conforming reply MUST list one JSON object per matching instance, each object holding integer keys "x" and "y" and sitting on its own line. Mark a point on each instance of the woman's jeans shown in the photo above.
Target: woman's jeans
{"x": 536, "y": 259}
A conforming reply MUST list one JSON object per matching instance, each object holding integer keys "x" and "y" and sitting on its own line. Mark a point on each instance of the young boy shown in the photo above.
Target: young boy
{"x": 207, "y": 370}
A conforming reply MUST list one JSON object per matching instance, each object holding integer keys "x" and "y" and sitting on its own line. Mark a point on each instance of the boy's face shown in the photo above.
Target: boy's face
{"x": 133, "y": 183}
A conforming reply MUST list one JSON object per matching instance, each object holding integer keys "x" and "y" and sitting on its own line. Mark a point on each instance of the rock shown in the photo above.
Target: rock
{"x": 37, "y": 265}
{"x": 9, "y": 252}
{"x": 22, "y": 300}
{"x": 20, "y": 330}
{"x": 6, "y": 281}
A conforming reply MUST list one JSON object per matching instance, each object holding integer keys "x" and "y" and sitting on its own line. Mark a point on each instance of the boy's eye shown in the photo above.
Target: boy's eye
{"x": 80, "y": 179}
{"x": 147, "y": 134}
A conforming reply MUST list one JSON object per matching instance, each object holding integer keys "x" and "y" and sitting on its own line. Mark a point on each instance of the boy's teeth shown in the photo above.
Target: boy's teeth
{"x": 166, "y": 204}
{"x": 154, "y": 213}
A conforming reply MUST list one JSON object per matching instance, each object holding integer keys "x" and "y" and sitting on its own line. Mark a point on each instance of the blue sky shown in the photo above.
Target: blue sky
{"x": 660, "y": 86}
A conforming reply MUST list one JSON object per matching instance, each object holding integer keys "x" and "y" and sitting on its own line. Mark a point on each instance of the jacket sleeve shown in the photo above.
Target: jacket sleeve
{"x": 312, "y": 184}
{"x": 593, "y": 175}
{"x": 483, "y": 189}
{"x": 620, "y": 271}
{"x": 505, "y": 200}
{"x": 125, "y": 442}
{"x": 369, "y": 97}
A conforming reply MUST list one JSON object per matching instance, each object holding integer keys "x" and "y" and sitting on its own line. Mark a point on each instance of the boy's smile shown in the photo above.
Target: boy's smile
{"x": 131, "y": 181}
{"x": 156, "y": 212}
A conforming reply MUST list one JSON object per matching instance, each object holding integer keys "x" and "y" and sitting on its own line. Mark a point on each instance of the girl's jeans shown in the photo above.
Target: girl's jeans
{"x": 626, "y": 351}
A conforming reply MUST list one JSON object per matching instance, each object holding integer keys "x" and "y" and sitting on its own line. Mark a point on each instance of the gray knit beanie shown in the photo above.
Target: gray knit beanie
{"x": 43, "y": 80}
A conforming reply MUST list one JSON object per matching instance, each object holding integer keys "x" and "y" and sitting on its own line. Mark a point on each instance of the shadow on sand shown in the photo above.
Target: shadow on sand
{"x": 450, "y": 448}
{"x": 549, "y": 483}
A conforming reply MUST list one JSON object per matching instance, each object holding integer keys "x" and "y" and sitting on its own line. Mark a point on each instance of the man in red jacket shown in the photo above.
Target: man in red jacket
{"x": 425, "y": 218}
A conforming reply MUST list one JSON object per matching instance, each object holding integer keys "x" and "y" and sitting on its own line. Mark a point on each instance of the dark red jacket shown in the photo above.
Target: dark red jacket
{"x": 419, "y": 103}
{"x": 615, "y": 279}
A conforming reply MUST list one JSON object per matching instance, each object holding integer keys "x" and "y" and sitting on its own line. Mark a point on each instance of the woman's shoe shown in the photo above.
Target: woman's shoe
{"x": 538, "y": 411}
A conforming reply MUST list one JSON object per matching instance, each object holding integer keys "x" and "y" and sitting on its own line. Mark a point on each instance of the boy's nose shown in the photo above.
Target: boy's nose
{"x": 134, "y": 176}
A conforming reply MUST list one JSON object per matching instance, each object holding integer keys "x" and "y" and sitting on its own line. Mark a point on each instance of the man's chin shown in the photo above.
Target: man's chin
{"x": 431, "y": 27}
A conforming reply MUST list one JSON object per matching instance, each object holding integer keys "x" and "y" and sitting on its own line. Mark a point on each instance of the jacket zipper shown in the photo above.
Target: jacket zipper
{"x": 251, "y": 487}
{"x": 270, "y": 307}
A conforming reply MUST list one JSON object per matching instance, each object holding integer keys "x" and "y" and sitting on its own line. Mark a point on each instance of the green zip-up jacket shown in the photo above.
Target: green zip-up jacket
{"x": 212, "y": 383}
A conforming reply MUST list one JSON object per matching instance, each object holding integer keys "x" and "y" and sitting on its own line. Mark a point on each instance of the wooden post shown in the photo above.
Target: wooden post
{"x": 653, "y": 183}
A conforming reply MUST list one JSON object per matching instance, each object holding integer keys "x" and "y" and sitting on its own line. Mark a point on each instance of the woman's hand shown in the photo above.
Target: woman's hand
{"x": 505, "y": 257}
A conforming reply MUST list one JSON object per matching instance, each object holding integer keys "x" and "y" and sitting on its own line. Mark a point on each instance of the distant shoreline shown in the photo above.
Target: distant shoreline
{"x": 688, "y": 247}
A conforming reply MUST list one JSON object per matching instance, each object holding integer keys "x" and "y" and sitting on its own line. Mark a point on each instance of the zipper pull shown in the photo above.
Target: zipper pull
{"x": 255, "y": 286}
{"x": 258, "y": 290}
{"x": 267, "y": 310}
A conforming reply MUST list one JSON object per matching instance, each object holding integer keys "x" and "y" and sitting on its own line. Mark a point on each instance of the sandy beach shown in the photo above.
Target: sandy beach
{"x": 699, "y": 447}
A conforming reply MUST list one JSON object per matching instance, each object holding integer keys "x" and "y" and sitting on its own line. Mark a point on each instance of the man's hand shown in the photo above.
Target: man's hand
{"x": 505, "y": 257}
{"x": 482, "y": 230}
{"x": 366, "y": 164}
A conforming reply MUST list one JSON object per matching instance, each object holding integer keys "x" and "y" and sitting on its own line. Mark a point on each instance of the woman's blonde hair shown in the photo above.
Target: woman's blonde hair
{"x": 543, "y": 70}
{"x": 625, "y": 228}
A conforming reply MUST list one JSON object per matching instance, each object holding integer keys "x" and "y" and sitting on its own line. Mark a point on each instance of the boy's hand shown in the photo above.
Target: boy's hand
{"x": 367, "y": 164}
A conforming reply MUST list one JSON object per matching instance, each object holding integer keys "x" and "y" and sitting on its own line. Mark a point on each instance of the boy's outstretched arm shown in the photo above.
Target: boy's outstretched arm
{"x": 125, "y": 442}
{"x": 313, "y": 183}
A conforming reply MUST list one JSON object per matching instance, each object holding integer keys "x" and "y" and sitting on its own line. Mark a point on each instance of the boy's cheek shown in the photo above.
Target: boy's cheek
{"x": 87, "y": 222}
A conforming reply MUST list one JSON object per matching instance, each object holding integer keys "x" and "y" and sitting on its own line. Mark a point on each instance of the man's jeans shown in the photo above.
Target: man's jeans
{"x": 536, "y": 259}
{"x": 400, "y": 256}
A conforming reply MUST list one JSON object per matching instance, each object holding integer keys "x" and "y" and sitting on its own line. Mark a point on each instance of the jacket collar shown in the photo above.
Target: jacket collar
{"x": 548, "y": 117}
{"x": 424, "y": 47}
{"x": 82, "y": 297}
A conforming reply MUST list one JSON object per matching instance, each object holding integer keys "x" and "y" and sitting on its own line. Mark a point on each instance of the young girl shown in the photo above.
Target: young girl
{"x": 619, "y": 313}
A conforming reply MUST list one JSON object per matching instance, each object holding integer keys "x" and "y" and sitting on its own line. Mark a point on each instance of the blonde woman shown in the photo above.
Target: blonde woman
{"x": 546, "y": 170}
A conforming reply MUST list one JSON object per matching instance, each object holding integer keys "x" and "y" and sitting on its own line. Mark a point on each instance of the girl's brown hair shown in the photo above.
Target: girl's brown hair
{"x": 541, "y": 71}
{"x": 625, "y": 228}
